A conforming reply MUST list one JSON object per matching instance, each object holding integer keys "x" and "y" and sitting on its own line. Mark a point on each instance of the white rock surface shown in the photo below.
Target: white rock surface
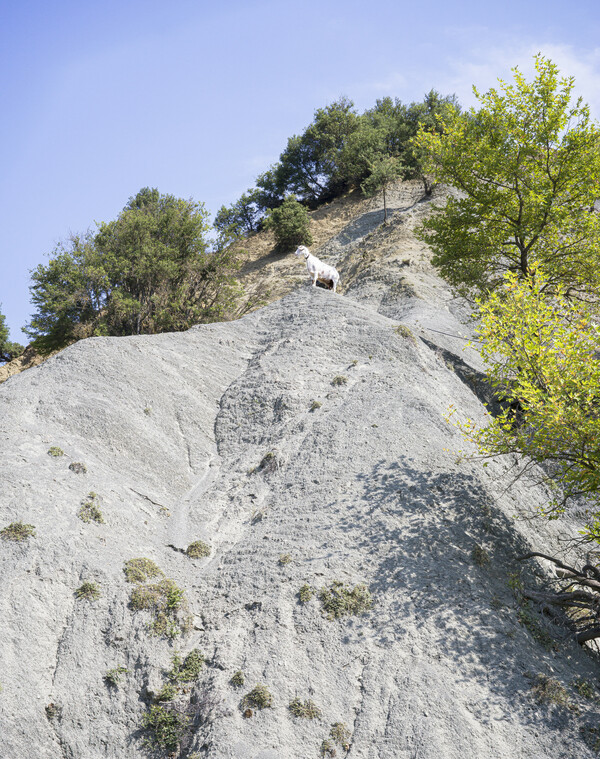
{"x": 367, "y": 488}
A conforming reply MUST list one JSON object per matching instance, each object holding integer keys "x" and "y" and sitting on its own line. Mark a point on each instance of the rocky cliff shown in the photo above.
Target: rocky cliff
{"x": 319, "y": 570}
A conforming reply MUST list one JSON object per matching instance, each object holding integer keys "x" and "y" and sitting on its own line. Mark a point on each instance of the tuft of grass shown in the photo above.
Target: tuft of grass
{"x": 166, "y": 726}
{"x": 198, "y": 550}
{"x": 480, "y": 556}
{"x": 327, "y": 749}
{"x": 583, "y": 687}
{"x": 284, "y": 559}
{"x": 55, "y": 451}
{"x": 305, "y": 593}
{"x": 188, "y": 669}
{"x": 306, "y": 710}
{"x": 140, "y": 570}
{"x": 340, "y": 601}
{"x": 166, "y": 693}
{"x": 315, "y": 405}
{"x": 17, "y": 532}
{"x": 403, "y": 331}
{"x": 89, "y": 591}
{"x": 167, "y": 602}
{"x": 237, "y": 679}
{"x": 547, "y": 690}
{"x": 259, "y": 698}
{"x": 52, "y": 711}
{"x": 340, "y": 734}
{"x": 529, "y": 621}
{"x": 339, "y": 380}
{"x": 148, "y": 410}
{"x": 113, "y": 676}
{"x": 89, "y": 510}
{"x": 78, "y": 467}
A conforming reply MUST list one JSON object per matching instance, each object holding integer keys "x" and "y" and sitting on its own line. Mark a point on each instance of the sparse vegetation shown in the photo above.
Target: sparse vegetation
{"x": 403, "y": 331}
{"x": 305, "y": 593}
{"x": 341, "y": 735}
{"x": 198, "y": 550}
{"x": 327, "y": 749}
{"x": 89, "y": 591}
{"x": 583, "y": 687}
{"x": 306, "y": 710}
{"x": 528, "y": 619}
{"x": 166, "y": 726}
{"x": 547, "y": 690}
{"x": 315, "y": 405}
{"x": 480, "y": 556}
{"x": 166, "y": 693}
{"x": 168, "y": 604}
{"x": 78, "y": 467}
{"x": 188, "y": 669}
{"x": 52, "y": 710}
{"x": 340, "y": 601}
{"x": 339, "y": 380}
{"x": 259, "y": 698}
{"x": 17, "y": 532}
{"x": 237, "y": 679}
{"x": 140, "y": 570}
{"x": 284, "y": 559}
{"x": 89, "y": 511}
{"x": 268, "y": 462}
{"x": 113, "y": 676}
{"x": 55, "y": 451}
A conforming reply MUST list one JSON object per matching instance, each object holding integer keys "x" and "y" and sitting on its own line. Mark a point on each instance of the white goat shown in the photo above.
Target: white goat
{"x": 318, "y": 270}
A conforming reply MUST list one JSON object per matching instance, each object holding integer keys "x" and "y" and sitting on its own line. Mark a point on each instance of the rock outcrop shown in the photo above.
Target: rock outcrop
{"x": 358, "y": 562}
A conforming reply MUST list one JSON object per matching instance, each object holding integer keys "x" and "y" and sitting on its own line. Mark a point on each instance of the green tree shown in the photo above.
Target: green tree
{"x": 527, "y": 168}
{"x": 241, "y": 217}
{"x": 383, "y": 172}
{"x": 290, "y": 224}
{"x": 541, "y": 356}
{"x": 8, "y": 349}
{"x": 148, "y": 271}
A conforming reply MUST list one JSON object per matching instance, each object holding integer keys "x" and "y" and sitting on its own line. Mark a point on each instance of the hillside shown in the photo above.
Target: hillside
{"x": 306, "y": 445}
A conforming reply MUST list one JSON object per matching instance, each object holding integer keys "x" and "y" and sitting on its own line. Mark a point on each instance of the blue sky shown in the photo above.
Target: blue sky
{"x": 100, "y": 99}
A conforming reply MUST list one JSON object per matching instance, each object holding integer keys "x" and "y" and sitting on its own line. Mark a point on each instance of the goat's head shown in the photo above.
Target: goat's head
{"x": 303, "y": 251}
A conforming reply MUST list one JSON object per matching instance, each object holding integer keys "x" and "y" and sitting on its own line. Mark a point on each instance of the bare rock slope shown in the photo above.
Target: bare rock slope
{"x": 306, "y": 445}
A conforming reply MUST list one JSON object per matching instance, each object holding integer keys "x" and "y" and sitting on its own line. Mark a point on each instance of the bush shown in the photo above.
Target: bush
{"x": 237, "y": 679}
{"x": 17, "y": 532}
{"x": 139, "y": 570}
{"x": 339, "y": 601}
{"x": 259, "y": 697}
{"x": 305, "y": 593}
{"x": 55, "y": 451}
{"x": 166, "y": 726}
{"x": 89, "y": 591}
{"x": 113, "y": 676}
{"x": 187, "y": 670}
{"x": 341, "y": 735}
{"x": 306, "y": 710}
{"x": 198, "y": 550}
{"x": 90, "y": 511}
{"x": 166, "y": 600}
{"x": 290, "y": 224}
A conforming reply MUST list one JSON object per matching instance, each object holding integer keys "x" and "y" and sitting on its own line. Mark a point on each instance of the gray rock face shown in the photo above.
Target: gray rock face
{"x": 306, "y": 445}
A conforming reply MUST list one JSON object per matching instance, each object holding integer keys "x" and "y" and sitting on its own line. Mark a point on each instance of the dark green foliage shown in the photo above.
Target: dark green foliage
{"x": 17, "y": 532}
{"x": 340, "y": 601}
{"x": 242, "y": 217}
{"x": 8, "y": 349}
{"x": 259, "y": 698}
{"x": 168, "y": 604}
{"x": 165, "y": 725}
{"x": 148, "y": 271}
{"x": 290, "y": 224}
{"x": 113, "y": 676}
{"x": 188, "y": 669}
{"x": 88, "y": 590}
{"x": 305, "y": 593}
{"x": 198, "y": 550}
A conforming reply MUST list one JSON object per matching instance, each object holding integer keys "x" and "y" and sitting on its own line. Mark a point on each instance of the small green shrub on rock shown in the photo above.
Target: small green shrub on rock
{"x": 327, "y": 749}
{"x": 306, "y": 710}
{"x": 340, "y": 734}
{"x": 166, "y": 726}
{"x": 140, "y": 570}
{"x": 17, "y": 532}
{"x": 339, "y": 601}
{"x": 89, "y": 591}
{"x": 259, "y": 698}
{"x": 89, "y": 510}
{"x": 305, "y": 593}
{"x": 55, "y": 451}
{"x": 113, "y": 676}
{"x": 167, "y": 602}
{"x": 547, "y": 690}
{"x": 198, "y": 550}
{"x": 339, "y": 380}
{"x": 237, "y": 679}
{"x": 188, "y": 669}
{"x": 78, "y": 467}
